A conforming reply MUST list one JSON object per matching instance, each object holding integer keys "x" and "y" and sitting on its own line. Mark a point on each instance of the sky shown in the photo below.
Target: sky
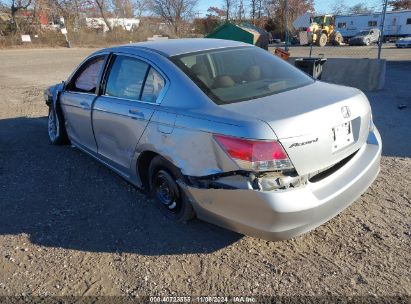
{"x": 322, "y": 6}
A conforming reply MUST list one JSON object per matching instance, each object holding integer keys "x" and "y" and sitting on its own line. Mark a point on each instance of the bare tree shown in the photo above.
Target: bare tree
{"x": 69, "y": 9}
{"x": 229, "y": 6}
{"x": 253, "y": 10}
{"x": 123, "y": 8}
{"x": 339, "y": 7}
{"x": 174, "y": 12}
{"x": 241, "y": 11}
{"x": 15, "y": 6}
{"x": 400, "y": 4}
{"x": 102, "y": 7}
{"x": 296, "y": 8}
{"x": 140, "y": 6}
{"x": 359, "y": 8}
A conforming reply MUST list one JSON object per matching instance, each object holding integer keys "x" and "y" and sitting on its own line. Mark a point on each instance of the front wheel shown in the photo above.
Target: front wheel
{"x": 322, "y": 39}
{"x": 170, "y": 197}
{"x": 56, "y": 128}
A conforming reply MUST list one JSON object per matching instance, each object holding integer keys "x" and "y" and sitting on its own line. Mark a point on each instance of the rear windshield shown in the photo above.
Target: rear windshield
{"x": 236, "y": 74}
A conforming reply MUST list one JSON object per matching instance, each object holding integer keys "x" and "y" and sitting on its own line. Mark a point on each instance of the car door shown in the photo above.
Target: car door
{"x": 77, "y": 99}
{"x": 131, "y": 93}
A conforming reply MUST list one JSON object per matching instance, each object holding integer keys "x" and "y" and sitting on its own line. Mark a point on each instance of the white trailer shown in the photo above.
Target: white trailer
{"x": 397, "y": 23}
{"x": 128, "y": 24}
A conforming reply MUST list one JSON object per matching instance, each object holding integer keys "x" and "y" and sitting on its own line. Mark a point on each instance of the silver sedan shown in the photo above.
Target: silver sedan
{"x": 221, "y": 130}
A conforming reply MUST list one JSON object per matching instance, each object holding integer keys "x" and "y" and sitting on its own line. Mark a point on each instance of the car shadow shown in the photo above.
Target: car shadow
{"x": 392, "y": 110}
{"x": 61, "y": 197}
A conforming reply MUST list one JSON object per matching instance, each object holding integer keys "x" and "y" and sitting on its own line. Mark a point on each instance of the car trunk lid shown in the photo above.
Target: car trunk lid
{"x": 310, "y": 122}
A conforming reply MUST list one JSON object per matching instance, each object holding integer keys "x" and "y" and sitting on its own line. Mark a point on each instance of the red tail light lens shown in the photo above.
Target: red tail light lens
{"x": 255, "y": 154}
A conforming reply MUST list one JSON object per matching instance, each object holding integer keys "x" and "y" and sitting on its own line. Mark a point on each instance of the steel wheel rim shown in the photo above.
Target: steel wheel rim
{"x": 52, "y": 126}
{"x": 166, "y": 191}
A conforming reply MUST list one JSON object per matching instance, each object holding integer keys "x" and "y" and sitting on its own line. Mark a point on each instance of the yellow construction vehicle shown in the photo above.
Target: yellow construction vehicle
{"x": 322, "y": 31}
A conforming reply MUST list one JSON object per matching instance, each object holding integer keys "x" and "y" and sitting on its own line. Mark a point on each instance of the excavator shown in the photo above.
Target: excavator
{"x": 322, "y": 31}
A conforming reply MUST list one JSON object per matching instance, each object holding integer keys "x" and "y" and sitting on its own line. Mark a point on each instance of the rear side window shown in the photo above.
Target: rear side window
{"x": 153, "y": 86}
{"x": 126, "y": 79}
{"x": 86, "y": 80}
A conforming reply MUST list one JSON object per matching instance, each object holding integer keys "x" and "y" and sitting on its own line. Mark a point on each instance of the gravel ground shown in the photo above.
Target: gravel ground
{"x": 69, "y": 226}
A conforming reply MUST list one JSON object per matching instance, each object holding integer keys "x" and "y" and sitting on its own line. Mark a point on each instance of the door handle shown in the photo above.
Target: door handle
{"x": 135, "y": 112}
{"x": 84, "y": 105}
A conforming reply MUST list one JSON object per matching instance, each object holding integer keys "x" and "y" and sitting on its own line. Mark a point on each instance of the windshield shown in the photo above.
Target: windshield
{"x": 236, "y": 74}
{"x": 319, "y": 20}
{"x": 363, "y": 33}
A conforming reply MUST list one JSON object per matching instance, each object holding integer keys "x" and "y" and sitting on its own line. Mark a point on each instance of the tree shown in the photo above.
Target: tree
{"x": 339, "y": 8}
{"x": 17, "y": 5}
{"x": 253, "y": 10}
{"x": 359, "y": 8}
{"x": 206, "y": 25}
{"x": 276, "y": 11}
{"x": 69, "y": 9}
{"x": 102, "y": 7}
{"x": 123, "y": 8}
{"x": 229, "y": 7}
{"x": 241, "y": 11}
{"x": 400, "y": 4}
{"x": 173, "y": 12}
{"x": 214, "y": 11}
{"x": 139, "y": 7}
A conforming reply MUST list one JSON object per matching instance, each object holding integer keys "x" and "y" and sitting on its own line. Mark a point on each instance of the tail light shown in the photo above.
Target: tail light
{"x": 255, "y": 155}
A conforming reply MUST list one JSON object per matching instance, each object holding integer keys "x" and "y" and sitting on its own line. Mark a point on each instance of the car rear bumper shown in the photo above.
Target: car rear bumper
{"x": 283, "y": 214}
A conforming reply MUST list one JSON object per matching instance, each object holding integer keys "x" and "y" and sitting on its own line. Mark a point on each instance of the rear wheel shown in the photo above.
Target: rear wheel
{"x": 164, "y": 189}
{"x": 338, "y": 38}
{"x": 56, "y": 128}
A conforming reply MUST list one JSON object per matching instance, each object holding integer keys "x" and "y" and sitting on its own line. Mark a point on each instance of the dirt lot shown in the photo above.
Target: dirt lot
{"x": 69, "y": 226}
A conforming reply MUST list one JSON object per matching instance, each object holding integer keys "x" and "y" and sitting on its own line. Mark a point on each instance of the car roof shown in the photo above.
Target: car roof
{"x": 173, "y": 47}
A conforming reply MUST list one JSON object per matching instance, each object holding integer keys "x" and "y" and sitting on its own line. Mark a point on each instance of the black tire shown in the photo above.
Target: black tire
{"x": 164, "y": 189}
{"x": 56, "y": 127}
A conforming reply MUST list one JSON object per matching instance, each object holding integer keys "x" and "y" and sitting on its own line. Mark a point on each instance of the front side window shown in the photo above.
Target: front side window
{"x": 236, "y": 74}
{"x": 86, "y": 80}
{"x": 126, "y": 78}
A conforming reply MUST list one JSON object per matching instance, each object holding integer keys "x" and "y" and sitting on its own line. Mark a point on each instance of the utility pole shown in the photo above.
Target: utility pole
{"x": 286, "y": 25}
{"x": 382, "y": 29}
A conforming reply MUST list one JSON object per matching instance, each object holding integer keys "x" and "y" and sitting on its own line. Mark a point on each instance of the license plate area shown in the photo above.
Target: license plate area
{"x": 342, "y": 136}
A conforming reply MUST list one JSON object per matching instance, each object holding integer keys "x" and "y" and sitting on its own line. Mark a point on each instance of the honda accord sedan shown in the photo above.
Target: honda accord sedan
{"x": 220, "y": 130}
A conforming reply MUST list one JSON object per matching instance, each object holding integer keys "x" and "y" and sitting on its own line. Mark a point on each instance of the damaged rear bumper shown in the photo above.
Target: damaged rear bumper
{"x": 283, "y": 214}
